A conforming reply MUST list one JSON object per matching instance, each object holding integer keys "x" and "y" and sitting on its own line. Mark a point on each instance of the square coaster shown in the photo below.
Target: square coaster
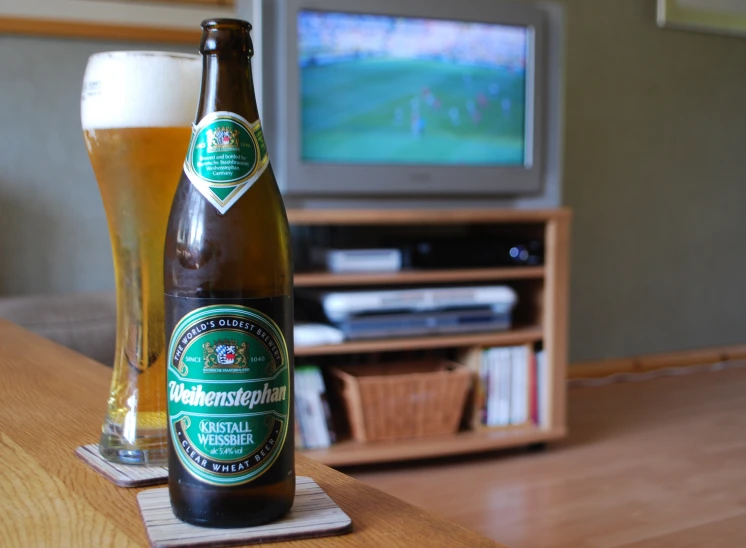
{"x": 313, "y": 515}
{"x": 122, "y": 475}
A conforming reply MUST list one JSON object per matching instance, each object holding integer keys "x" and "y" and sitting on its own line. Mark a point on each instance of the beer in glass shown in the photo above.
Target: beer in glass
{"x": 136, "y": 113}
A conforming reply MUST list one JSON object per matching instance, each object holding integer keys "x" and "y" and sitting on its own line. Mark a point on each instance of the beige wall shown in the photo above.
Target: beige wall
{"x": 53, "y": 233}
{"x": 655, "y": 169}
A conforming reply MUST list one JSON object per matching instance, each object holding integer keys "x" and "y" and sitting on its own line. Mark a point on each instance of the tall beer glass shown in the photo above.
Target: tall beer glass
{"x": 136, "y": 113}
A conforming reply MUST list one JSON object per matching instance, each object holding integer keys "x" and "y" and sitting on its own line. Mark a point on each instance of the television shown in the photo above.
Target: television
{"x": 404, "y": 98}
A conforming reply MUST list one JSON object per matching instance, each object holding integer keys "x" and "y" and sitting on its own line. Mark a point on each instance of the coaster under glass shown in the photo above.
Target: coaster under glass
{"x": 122, "y": 475}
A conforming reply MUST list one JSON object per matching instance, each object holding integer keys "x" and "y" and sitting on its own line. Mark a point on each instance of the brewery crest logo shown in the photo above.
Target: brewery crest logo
{"x": 222, "y": 139}
{"x": 225, "y": 356}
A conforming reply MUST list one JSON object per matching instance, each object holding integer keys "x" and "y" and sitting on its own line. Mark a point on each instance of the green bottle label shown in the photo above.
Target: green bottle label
{"x": 226, "y": 155}
{"x": 228, "y": 393}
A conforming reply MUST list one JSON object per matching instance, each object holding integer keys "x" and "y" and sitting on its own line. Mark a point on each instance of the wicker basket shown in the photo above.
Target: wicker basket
{"x": 404, "y": 400}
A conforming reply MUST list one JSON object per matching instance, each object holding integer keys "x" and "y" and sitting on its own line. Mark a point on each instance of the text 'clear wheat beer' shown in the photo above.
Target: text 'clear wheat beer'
{"x": 136, "y": 111}
{"x": 229, "y": 307}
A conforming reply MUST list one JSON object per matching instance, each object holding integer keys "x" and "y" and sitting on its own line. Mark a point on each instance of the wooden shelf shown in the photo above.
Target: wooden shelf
{"x": 350, "y": 453}
{"x": 327, "y": 279}
{"x": 515, "y": 336}
{"x": 540, "y": 316}
{"x": 422, "y": 216}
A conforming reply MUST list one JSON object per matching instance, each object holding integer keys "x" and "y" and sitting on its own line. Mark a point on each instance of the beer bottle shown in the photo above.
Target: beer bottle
{"x": 229, "y": 307}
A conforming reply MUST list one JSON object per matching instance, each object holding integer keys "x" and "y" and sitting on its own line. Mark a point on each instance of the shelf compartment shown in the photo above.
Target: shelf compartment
{"x": 328, "y": 279}
{"x": 352, "y": 453}
{"x": 422, "y": 216}
{"x": 519, "y": 335}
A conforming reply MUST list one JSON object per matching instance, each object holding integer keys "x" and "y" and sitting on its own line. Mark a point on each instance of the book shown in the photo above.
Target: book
{"x": 315, "y": 384}
{"x": 489, "y": 403}
{"x": 493, "y": 396}
{"x": 519, "y": 385}
{"x": 481, "y": 388}
{"x": 313, "y": 415}
{"x": 302, "y": 411}
{"x": 542, "y": 384}
{"x": 533, "y": 389}
{"x": 298, "y": 431}
{"x": 504, "y": 386}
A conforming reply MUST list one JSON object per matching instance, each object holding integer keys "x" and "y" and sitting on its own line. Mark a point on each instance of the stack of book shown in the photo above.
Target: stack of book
{"x": 313, "y": 422}
{"x": 510, "y": 386}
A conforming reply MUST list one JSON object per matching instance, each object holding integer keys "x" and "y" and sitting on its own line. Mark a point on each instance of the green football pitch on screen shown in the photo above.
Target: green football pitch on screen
{"x": 412, "y": 111}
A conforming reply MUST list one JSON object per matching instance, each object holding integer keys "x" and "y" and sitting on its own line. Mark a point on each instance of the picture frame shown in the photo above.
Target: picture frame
{"x": 714, "y": 16}
{"x": 164, "y": 21}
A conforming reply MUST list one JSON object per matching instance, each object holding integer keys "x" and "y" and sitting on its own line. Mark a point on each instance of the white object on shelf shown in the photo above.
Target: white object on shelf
{"x": 316, "y": 334}
{"x": 343, "y": 261}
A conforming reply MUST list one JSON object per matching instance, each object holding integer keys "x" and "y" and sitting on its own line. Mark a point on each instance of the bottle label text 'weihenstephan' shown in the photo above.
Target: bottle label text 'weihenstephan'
{"x": 226, "y": 155}
{"x": 229, "y": 393}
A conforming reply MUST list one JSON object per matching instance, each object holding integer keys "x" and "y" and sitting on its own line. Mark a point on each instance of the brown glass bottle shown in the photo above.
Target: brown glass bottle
{"x": 229, "y": 307}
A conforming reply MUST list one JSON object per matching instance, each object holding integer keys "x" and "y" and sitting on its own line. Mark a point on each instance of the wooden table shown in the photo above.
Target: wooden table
{"x": 53, "y": 399}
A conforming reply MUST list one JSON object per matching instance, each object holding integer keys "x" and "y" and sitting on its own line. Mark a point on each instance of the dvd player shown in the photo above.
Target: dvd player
{"x": 410, "y": 324}
{"x": 338, "y": 306}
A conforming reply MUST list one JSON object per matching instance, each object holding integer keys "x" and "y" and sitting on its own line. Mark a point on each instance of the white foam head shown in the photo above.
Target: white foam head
{"x": 140, "y": 89}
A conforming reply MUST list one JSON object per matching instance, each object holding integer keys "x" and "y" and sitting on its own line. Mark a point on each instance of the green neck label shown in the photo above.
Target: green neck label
{"x": 226, "y": 155}
{"x": 228, "y": 393}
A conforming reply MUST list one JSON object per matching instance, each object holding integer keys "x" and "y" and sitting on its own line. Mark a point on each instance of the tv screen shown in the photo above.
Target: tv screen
{"x": 383, "y": 90}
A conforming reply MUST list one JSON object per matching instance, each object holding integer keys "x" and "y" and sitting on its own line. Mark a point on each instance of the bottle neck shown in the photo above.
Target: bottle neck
{"x": 227, "y": 85}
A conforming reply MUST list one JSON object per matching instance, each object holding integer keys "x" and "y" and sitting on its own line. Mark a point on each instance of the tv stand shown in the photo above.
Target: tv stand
{"x": 539, "y": 319}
